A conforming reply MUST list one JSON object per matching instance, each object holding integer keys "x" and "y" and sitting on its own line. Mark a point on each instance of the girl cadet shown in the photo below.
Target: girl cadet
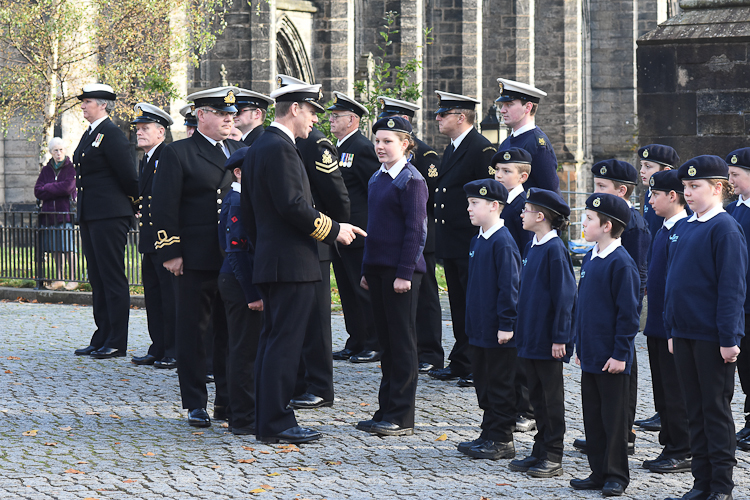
{"x": 392, "y": 268}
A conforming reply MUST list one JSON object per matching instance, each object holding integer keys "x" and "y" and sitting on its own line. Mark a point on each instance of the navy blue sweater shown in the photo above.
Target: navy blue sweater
{"x": 511, "y": 214}
{"x": 492, "y": 291}
{"x": 654, "y": 221}
{"x": 606, "y": 319}
{"x": 396, "y": 222}
{"x": 742, "y": 215}
{"x": 657, "y": 280}
{"x": 706, "y": 273}
{"x": 545, "y": 301}
{"x": 636, "y": 239}
{"x": 237, "y": 247}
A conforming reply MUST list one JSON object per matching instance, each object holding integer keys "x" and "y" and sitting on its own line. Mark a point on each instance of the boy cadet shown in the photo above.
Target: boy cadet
{"x": 251, "y": 113}
{"x": 466, "y": 159}
{"x": 518, "y": 106}
{"x": 429, "y": 315}
{"x": 358, "y": 163}
{"x": 158, "y": 286}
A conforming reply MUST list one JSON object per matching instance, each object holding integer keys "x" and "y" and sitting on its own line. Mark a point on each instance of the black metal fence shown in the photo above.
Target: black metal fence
{"x": 43, "y": 254}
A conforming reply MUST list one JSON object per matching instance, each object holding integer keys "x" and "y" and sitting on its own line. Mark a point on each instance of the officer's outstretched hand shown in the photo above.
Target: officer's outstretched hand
{"x": 174, "y": 266}
{"x": 347, "y": 233}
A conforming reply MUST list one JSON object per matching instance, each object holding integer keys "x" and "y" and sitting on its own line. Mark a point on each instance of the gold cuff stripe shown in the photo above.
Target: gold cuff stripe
{"x": 167, "y": 242}
{"x": 323, "y": 139}
{"x": 327, "y": 169}
{"x": 489, "y": 148}
{"x": 322, "y": 227}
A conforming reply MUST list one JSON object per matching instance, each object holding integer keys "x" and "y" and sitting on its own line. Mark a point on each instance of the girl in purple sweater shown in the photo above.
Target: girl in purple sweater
{"x": 392, "y": 268}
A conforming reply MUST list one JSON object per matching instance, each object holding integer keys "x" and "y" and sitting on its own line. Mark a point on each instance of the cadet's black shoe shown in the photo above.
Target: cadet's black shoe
{"x": 580, "y": 445}
{"x": 524, "y": 464}
{"x": 613, "y": 489}
{"x": 210, "y": 378}
{"x": 143, "y": 360}
{"x": 545, "y": 468}
{"x": 719, "y": 496}
{"x": 243, "y": 431}
{"x": 198, "y": 417}
{"x": 308, "y": 401}
{"x": 366, "y": 357}
{"x": 108, "y": 352}
{"x": 744, "y": 444}
{"x": 493, "y": 450}
{"x": 343, "y": 354}
{"x": 294, "y": 434}
{"x": 465, "y": 446}
{"x": 692, "y": 495}
{"x": 743, "y": 433}
{"x": 668, "y": 465}
{"x": 652, "y": 425}
{"x": 647, "y": 463}
{"x": 447, "y": 373}
{"x": 524, "y": 424}
{"x": 365, "y": 425}
{"x": 85, "y": 351}
{"x": 388, "y": 429}
{"x": 425, "y": 367}
{"x": 166, "y": 363}
{"x": 643, "y": 420}
{"x": 221, "y": 413}
{"x": 585, "y": 484}
{"x": 467, "y": 381}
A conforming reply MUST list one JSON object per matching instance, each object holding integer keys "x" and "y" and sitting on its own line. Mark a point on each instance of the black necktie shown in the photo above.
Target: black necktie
{"x": 144, "y": 162}
{"x": 448, "y": 152}
{"x": 221, "y": 148}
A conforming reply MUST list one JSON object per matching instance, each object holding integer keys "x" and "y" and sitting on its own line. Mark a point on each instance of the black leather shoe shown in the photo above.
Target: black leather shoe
{"x": 692, "y": 495}
{"x": 447, "y": 373}
{"x": 580, "y": 445}
{"x": 198, "y": 417}
{"x": 243, "y": 431}
{"x": 365, "y": 425}
{"x": 308, "y": 401}
{"x": 210, "y": 378}
{"x": 652, "y": 425}
{"x": 524, "y": 424}
{"x": 643, "y": 420}
{"x": 294, "y": 434}
{"x": 743, "y": 433}
{"x": 545, "y": 468}
{"x": 166, "y": 363}
{"x": 366, "y": 357}
{"x": 388, "y": 429}
{"x": 343, "y": 354}
{"x": 647, "y": 463}
{"x": 493, "y": 450}
{"x": 108, "y": 352}
{"x": 221, "y": 413}
{"x": 613, "y": 489}
{"x": 465, "y": 446}
{"x": 523, "y": 465}
{"x": 85, "y": 351}
{"x": 143, "y": 360}
{"x": 744, "y": 444}
{"x": 585, "y": 484}
{"x": 425, "y": 367}
{"x": 719, "y": 496}
{"x": 467, "y": 381}
{"x": 668, "y": 465}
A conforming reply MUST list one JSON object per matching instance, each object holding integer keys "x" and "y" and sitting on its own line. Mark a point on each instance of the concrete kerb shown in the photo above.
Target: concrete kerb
{"x": 58, "y": 296}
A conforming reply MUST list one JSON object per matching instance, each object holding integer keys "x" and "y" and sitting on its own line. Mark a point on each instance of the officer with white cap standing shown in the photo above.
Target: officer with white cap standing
{"x": 191, "y": 123}
{"x": 252, "y": 108}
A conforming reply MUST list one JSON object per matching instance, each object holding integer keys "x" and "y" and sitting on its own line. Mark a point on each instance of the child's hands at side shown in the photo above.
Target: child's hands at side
{"x": 614, "y": 366}
{"x": 558, "y": 351}
{"x": 669, "y": 346}
{"x": 401, "y": 285}
{"x": 504, "y": 337}
{"x": 730, "y": 353}
{"x": 575, "y": 358}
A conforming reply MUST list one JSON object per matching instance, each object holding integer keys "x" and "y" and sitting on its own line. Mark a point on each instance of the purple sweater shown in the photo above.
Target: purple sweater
{"x": 396, "y": 222}
{"x": 55, "y": 191}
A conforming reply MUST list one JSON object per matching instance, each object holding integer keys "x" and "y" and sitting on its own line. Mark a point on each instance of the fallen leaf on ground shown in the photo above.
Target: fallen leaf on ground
{"x": 92, "y": 413}
{"x": 273, "y": 474}
{"x": 149, "y": 454}
{"x": 364, "y": 404}
{"x": 117, "y": 442}
{"x": 258, "y": 490}
{"x": 50, "y": 444}
{"x": 9, "y": 372}
{"x": 91, "y": 498}
{"x": 332, "y": 462}
{"x": 266, "y": 486}
{"x": 197, "y": 433}
{"x": 129, "y": 480}
{"x": 14, "y": 357}
{"x": 484, "y": 498}
{"x": 225, "y": 425}
{"x": 215, "y": 466}
{"x": 4, "y": 410}
{"x": 124, "y": 380}
{"x": 245, "y": 460}
{"x": 248, "y": 448}
{"x": 82, "y": 462}
{"x": 73, "y": 471}
{"x": 350, "y": 413}
{"x": 265, "y": 452}
{"x": 442, "y": 437}
{"x": 32, "y": 432}
{"x": 114, "y": 416}
{"x": 502, "y": 484}
{"x": 66, "y": 428}
{"x": 302, "y": 469}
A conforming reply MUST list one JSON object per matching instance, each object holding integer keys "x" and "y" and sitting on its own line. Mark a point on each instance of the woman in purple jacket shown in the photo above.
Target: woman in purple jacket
{"x": 56, "y": 187}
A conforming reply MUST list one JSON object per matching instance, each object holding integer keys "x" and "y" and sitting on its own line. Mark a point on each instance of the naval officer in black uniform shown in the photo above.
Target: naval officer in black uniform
{"x": 151, "y": 125}
{"x": 277, "y": 200}
{"x": 107, "y": 188}
{"x": 188, "y": 190}
{"x": 252, "y": 108}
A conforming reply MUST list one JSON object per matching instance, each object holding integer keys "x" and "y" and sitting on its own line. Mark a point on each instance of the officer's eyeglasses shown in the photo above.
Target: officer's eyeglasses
{"x": 446, "y": 113}
{"x": 333, "y": 118}
{"x": 222, "y": 114}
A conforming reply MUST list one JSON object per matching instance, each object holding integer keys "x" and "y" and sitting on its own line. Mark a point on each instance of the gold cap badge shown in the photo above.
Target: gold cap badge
{"x": 651, "y": 181}
{"x": 645, "y": 153}
{"x": 734, "y": 159}
{"x": 320, "y": 93}
{"x": 603, "y": 171}
{"x": 230, "y": 99}
{"x": 391, "y": 124}
{"x": 335, "y": 99}
{"x": 502, "y": 87}
{"x": 483, "y": 191}
{"x": 138, "y": 111}
{"x": 382, "y": 102}
{"x": 279, "y": 82}
{"x": 692, "y": 171}
{"x": 506, "y": 156}
{"x": 597, "y": 202}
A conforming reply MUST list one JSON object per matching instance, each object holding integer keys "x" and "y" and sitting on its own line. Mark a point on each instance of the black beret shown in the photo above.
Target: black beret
{"x": 512, "y": 155}
{"x": 610, "y": 205}
{"x": 739, "y": 158}
{"x": 236, "y": 159}
{"x": 666, "y": 180}
{"x": 658, "y": 153}
{"x": 615, "y": 170}
{"x": 547, "y": 199}
{"x": 704, "y": 167}
{"x": 394, "y": 124}
{"x": 489, "y": 189}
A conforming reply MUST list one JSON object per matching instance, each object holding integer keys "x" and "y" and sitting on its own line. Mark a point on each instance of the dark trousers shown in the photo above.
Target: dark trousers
{"x": 668, "y": 400}
{"x": 243, "y": 333}
{"x": 605, "y": 419}
{"x": 430, "y": 318}
{"x": 457, "y": 279}
{"x": 524, "y": 407}
{"x": 708, "y": 386}
{"x": 395, "y": 316}
{"x": 743, "y": 368}
{"x": 547, "y": 394}
{"x": 103, "y": 243}
{"x": 287, "y": 309}
{"x": 633, "y": 397}
{"x": 199, "y": 306}
{"x": 355, "y": 300}
{"x": 493, "y": 370}
{"x": 315, "y": 374}
{"x": 158, "y": 291}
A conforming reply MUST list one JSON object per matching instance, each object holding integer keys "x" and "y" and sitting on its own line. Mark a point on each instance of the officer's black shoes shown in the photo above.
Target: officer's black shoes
{"x": 143, "y": 360}
{"x": 243, "y": 431}
{"x": 744, "y": 444}
{"x": 719, "y": 496}
{"x": 524, "y": 424}
{"x": 643, "y": 420}
{"x": 580, "y": 445}
{"x": 166, "y": 363}
{"x": 613, "y": 489}
{"x": 85, "y": 351}
{"x": 742, "y": 434}
{"x": 669, "y": 465}
{"x": 692, "y": 495}
{"x": 365, "y": 425}
{"x": 467, "y": 381}
{"x": 308, "y": 401}
{"x": 294, "y": 434}
{"x": 647, "y": 463}
{"x": 585, "y": 484}
{"x": 447, "y": 373}
{"x": 388, "y": 429}
{"x": 198, "y": 417}
{"x": 210, "y": 379}
{"x": 492, "y": 450}
{"x": 545, "y": 468}
{"x": 652, "y": 425}
{"x": 523, "y": 465}
{"x": 221, "y": 413}
{"x": 366, "y": 357}
{"x": 425, "y": 367}
{"x": 108, "y": 352}
{"x": 343, "y": 354}
{"x": 465, "y": 446}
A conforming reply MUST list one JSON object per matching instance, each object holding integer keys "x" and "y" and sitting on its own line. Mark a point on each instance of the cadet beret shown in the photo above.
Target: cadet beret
{"x": 188, "y": 111}
{"x": 219, "y": 98}
{"x": 704, "y": 167}
{"x": 610, "y": 205}
{"x": 666, "y": 180}
{"x": 236, "y": 159}
{"x": 511, "y": 90}
{"x": 148, "y": 113}
{"x": 616, "y": 170}
{"x": 390, "y": 106}
{"x": 394, "y": 124}
{"x": 248, "y": 98}
{"x": 342, "y": 102}
{"x": 295, "y": 92}
{"x": 448, "y": 101}
{"x": 739, "y": 158}
{"x": 547, "y": 199}
{"x": 658, "y": 153}
{"x": 512, "y": 155}
{"x": 488, "y": 189}
{"x": 97, "y": 91}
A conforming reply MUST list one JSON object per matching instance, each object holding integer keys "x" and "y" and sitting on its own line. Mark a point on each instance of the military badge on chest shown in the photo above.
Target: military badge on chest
{"x": 347, "y": 159}
{"x": 98, "y": 140}
{"x": 432, "y": 171}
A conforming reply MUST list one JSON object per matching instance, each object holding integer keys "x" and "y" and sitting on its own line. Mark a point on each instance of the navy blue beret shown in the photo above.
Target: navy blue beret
{"x": 610, "y": 205}
{"x": 489, "y": 189}
{"x": 666, "y": 180}
{"x": 236, "y": 159}
{"x": 512, "y": 155}
{"x": 739, "y": 158}
{"x": 394, "y": 124}
{"x": 547, "y": 199}
{"x": 658, "y": 153}
{"x": 615, "y": 170}
{"x": 704, "y": 167}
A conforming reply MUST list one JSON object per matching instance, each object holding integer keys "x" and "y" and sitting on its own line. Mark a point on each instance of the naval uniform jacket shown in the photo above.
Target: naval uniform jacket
{"x": 253, "y": 135}
{"x": 453, "y": 229}
{"x": 426, "y": 160}
{"x": 358, "y": 163}
{"x": 107, "y": 181}
{"x": 145, "y": 182}
{"x": 188, "y": 190}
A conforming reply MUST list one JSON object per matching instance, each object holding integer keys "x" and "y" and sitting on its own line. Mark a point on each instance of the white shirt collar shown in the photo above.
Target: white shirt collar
{"x": 214, "y": 143}
{"x": 395, "y": 169}
{"x": 708, "y": 215}
{"x": 630, "y": 205}
{"x": 486, "y": 235}
{"x": 150, "y": 152}
{"x": 524, "y": 129}
{"x": 673, "y": 220}
{"x": 743, "y": 201}
{"x": 98, "y": 122}
{"x": 513, "y": 193}
{"x": 236, "y": 186}
{"x": 284, "y": 129}
{"x": 457, "y": 142}
{"x": 604, "y": 253}
{"x": 545, "y": 238}
{"x": 343, "y": 140}
{"x": 246, "y": 134}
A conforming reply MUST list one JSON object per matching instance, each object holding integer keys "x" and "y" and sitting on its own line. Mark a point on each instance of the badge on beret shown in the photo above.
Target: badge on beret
{"x": 506, "y": 156}
{"x": 651, "y": 182}
{"x": 597, "y": 202}
{"x": 139, "y": 112}
{"x": 391, "y": 124}
{"x": 502, "y": 88}
{"x": 734, "y": 159}
{"x": 692, "y": 171}
{"x": 541, "y": 141}
{"x": 645, "y": 153}
{"x": 432, "y": 171}
{"x": 279, "y": 82}
{"x": 382, "y": 102}
{"x": 230, "y": 99}
{"x": 327, "y": 158}
{"x": 603, "y": 170}
{"x": 483, "y": 191}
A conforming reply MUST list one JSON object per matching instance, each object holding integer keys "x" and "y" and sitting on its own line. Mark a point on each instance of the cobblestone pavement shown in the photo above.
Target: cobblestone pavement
{"x": 76, "y": 428}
